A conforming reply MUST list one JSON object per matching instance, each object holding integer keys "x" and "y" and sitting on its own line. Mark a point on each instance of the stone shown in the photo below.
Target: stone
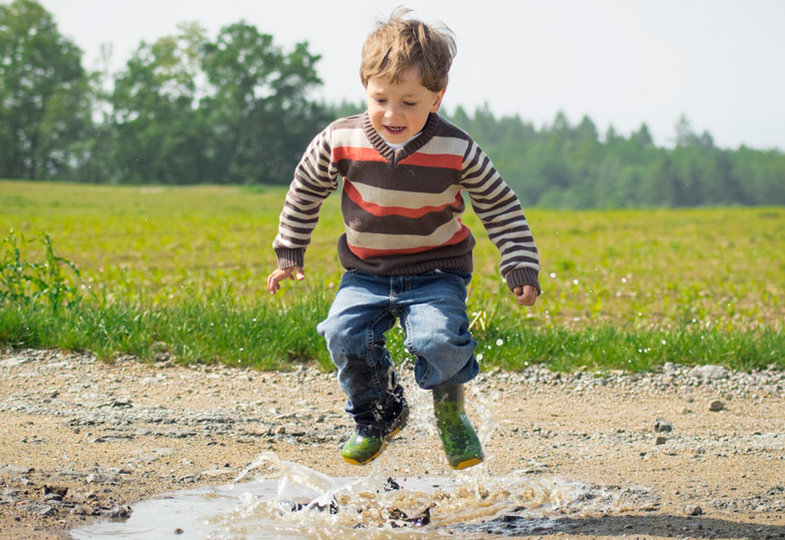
{"x": 9, "y": 495}
{"x": 15, "y": 361}
{"x": 662, "y": 426}
{"x": 82, "y": 510}
{"x": 119, "y": 512}
{"x": 716, "y": 405}
{"x": 43, "y": 510}
{"x": 16, "y": 470}
{"x": 692, "y": 510}
{"x": 709, "y": 372}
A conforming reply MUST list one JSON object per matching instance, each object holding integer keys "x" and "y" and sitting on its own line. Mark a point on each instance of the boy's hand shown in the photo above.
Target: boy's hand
{"x": 274, "y": 279}
{"x": 526, "y": 295}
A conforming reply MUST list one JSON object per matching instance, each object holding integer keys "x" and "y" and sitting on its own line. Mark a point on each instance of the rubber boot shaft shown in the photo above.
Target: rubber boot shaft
{"x": 461, "y": 445}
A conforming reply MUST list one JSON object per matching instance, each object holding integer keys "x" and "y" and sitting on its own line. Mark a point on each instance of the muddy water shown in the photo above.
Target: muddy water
{"x": 304, "y": 503}
{"x": 299, "y": 502}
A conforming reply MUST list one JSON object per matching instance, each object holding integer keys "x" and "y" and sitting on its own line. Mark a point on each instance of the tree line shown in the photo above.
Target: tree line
{"x": 236, "y": 108}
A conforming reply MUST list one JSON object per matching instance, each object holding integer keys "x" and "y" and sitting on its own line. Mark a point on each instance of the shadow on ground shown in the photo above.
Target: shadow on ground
{"x": 631, "y": 525}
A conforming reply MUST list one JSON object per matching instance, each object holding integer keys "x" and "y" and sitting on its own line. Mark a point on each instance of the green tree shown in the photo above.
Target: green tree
{"x": 45, "y": 95}
{"x": 685, "y": 136}
{"x": 159, "y": 133}
{"x": 258, "y": 107}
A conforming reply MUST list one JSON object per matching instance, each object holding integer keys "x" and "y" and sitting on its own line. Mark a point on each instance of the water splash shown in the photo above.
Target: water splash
{"x": 299, "y": 502}
{"x": 304, "y": 503}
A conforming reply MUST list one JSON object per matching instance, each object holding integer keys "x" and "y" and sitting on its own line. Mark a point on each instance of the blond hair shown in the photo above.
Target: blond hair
{"x": 399, "y": 44}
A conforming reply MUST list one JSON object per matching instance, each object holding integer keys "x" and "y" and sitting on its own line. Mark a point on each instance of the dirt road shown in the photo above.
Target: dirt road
{"x": 83, "y": 440}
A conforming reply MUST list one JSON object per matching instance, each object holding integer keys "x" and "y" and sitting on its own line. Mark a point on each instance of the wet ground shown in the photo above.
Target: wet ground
{"x": 683, "y": 453}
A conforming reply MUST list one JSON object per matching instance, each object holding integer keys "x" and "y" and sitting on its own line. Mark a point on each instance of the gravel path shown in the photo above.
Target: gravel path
{"x": 699, "y": 451}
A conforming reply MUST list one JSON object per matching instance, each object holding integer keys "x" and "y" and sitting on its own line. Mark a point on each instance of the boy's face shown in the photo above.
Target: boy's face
{"x": 399, "y": 111}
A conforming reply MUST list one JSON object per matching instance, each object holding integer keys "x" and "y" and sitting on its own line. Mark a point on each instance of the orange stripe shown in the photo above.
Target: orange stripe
{"x": 379, "y": 210}
{"x": 445, "y": 161}
{"x": 365, "y": 253}
{"x": 356, "y": 153}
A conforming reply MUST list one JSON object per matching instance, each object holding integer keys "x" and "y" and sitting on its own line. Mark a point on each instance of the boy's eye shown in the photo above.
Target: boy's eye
{"x": 410, "y": 103}
{"x": 380, "y": 101}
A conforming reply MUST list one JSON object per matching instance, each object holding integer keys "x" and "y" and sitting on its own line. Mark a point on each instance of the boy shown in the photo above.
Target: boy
{"x": 406, "y": 253}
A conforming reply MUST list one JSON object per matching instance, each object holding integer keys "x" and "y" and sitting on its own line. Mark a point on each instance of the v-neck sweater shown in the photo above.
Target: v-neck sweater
{"x": 402, "y": 208}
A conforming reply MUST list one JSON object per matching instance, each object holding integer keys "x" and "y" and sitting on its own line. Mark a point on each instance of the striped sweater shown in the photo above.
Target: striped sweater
{"x": 402, "y": 208}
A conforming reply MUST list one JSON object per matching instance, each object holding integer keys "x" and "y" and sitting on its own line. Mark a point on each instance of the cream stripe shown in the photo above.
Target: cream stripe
{"x": 502, "y": 210}
{"x": 291, "y": 214}
{"x": 304, "y": 199}
{"x": 405, "y": 199}
{"x": 514, "y": 240}
{"x": 296, "y": 235}
{"x": 445, "y": 145}
{"x": 354, "y": 137}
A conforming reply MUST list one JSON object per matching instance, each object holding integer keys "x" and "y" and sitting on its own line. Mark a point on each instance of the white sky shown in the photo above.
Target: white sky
{"x": 621, "y": 62}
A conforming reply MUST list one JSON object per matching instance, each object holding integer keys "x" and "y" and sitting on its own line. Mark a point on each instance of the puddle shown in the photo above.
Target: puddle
{"x": 292, "y": 501}
{"x": 304, "y": 503}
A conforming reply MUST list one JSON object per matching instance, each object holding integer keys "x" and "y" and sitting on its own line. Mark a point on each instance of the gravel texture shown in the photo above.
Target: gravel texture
{"x": 84, "y": 440}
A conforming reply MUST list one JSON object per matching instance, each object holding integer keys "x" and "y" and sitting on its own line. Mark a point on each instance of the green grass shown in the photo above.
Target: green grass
{"x": 183, "y": 271}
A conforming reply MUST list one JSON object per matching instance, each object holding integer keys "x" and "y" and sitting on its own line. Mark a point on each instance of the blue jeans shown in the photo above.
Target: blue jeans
{"x": 432, "y": 310}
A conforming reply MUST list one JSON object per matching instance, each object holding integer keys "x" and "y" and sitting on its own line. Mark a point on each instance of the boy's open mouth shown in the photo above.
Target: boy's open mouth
{"x": 395, "y": 129}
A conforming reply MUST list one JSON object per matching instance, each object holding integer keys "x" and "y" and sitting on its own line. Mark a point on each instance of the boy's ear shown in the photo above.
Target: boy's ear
{"x": 438, "y": 102}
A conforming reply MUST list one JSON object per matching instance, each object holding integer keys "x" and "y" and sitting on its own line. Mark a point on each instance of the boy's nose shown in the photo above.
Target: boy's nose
{"x": 391, "y": 112}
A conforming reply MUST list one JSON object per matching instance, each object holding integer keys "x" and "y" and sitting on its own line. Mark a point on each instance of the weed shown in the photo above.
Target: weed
{"x": 53, "y": 281}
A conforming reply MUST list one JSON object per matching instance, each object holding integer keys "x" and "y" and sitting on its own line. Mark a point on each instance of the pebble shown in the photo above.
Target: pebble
{"x": 16, "y": 470}
{"x": 770, "y": 381}
{"x": 118, "y": 512}
{"x": 15, "y": 361}
{"x": 83, "y": 510}
{"x": 716, "y": 405}
{"x": 709, "y": 372}
{"x": 692, "y": 510}
{"x": 40, "y": 509}
{"x": 662, "y": 426}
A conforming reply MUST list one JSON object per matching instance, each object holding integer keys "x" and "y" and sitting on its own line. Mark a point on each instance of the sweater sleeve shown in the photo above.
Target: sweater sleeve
{"x": 500, "y": 212}
{"x": 314, "y": 179}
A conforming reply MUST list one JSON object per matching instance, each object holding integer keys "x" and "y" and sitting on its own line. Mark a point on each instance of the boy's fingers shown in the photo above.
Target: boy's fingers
{"x": 525, "y": 296}
{"x": 297, "y": 274}
{"x": 274, "y": 279}
{"x": 272, "y": 284}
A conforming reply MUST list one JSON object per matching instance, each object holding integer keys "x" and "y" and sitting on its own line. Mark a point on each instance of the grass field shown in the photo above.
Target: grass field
{"x": 182, "y": 271}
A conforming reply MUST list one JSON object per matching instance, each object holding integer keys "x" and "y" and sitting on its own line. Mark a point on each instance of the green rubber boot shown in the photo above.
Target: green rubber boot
{"x": 461, "y": 445}
{"x": 368, "y": 442}
{"x": 362, "y": 449}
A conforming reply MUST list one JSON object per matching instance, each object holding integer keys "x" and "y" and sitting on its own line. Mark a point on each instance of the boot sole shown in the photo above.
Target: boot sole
{"x": 466, "y": 464}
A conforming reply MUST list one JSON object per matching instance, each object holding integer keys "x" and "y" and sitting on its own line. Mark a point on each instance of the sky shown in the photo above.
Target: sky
{"x": 721, "y": 63}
